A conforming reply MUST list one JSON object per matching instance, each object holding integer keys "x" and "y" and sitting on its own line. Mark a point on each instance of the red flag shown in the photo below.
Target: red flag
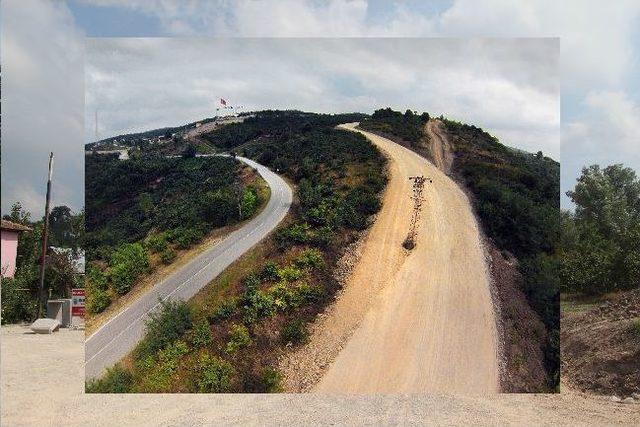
{"x": 223, "y": 102}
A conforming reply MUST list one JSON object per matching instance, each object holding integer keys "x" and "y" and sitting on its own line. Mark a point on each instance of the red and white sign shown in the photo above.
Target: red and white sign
{"x": 77, "y": 302}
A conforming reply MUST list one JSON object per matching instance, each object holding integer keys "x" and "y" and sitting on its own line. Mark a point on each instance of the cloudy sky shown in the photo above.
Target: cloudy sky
{"x": 509, "y": 86}
{"x": 43, "y": 56}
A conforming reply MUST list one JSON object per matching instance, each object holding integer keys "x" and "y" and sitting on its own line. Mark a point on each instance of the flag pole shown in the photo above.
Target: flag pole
{"x": 45, "y": 231}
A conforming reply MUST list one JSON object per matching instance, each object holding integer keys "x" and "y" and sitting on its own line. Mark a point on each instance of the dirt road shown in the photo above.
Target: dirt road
{"x": 439, "y": 145}
{"x": 427, "y": 320}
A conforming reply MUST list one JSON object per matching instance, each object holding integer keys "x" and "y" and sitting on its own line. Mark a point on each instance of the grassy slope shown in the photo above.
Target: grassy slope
{"x": 130, "y": 202}
{"x": 261, "y": 304}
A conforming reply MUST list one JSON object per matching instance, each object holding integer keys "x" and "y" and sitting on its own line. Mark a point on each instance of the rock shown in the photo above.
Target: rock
{"x": 45, "y": 326}
{"x": 615, "y": 399}
{"x": 629, "y": 400}
{"x": 635, "y": 396}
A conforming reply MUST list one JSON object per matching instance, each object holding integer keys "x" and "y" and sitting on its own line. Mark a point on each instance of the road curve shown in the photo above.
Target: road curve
{"x": 430, "y": 324}
{"x": 120, "y": 334}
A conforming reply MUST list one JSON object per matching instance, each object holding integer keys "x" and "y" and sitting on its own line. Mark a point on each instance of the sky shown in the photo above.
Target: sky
{"x": 510, "y": 86}
{"x": 43, "y": 69}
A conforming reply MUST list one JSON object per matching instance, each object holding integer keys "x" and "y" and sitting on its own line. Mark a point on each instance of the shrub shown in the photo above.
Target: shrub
{"x": 283, "y": 297}
{"x": 295, "y": 332}
{"x": 249, "y": 203}
{"x": 156, "y": 242}
{"x": 308, "y": 294}
{"x": 160, "y": 374}
{"x": 269, "y": 272}
{"x": 225, "y": 310}
{"x": 127, "y": 263}
{"x": 294, "y": 234}
{"x": 97, "y": 279}
{"x": 220, "y": 207}
{"x": 167, "y": 256}
{"x": 310, "y": 258}
{"x": 184, "y": 238}
{"x": 17, "y": 305}
{"x": 635, "y": 326}
{"x": 97, "y": 300}
{"x": 238, "y": 338}
{"x": 121, "y": 278}
{"x": 201, "y": 336}
{"x": 165, "y": 326}
{"x": 258, "y": 304}
{"x": 214, "y": 375}
{"x": 271, "y": 380}
{"x": 116, "y": 380}
{"x": 289, "y": 273}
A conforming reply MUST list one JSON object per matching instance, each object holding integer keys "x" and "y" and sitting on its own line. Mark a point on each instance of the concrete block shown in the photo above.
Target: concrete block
{"x": 60, "y": 310}
{"x": 45, "y": 326}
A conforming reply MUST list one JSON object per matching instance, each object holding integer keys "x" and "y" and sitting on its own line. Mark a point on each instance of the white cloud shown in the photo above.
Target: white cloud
{"x": 41, "y": 66}
{"x": 42, "y": 104}
{"x": 606, "y": 133}
{"x": 491, "y": 83}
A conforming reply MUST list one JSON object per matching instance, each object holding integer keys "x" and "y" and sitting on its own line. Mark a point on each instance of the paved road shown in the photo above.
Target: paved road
{"x": 118, "y": 336}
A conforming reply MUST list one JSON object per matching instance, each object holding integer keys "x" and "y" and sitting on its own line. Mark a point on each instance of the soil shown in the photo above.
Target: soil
{"x": 439, "y": 146}
{"x": 600, "y": 347}
{"x": 522, "y": 333}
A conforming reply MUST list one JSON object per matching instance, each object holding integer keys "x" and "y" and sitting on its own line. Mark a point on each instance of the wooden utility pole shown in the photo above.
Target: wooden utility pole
{"x": 45, "y": 231}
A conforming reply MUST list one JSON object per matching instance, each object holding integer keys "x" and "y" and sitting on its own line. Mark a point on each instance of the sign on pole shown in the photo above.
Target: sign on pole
{"x": 77, "y": 302}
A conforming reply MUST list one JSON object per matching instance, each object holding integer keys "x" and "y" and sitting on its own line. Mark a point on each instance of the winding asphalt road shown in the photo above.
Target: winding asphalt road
{"x": 119, "y": 335}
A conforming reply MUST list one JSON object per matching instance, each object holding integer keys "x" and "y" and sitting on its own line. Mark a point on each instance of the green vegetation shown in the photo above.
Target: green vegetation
{"x": 635, "y": 326}
{"x": 601, "y": 239}
{"x": 237, "y": 326}
{"x": 142, "y": 211}
{"x": 407, "y": 126}
{"x": 238, "y": 338}
{"x": 295, "y": 332}
{"x": 20, "y": 294}
{"x": 164, "y": 327}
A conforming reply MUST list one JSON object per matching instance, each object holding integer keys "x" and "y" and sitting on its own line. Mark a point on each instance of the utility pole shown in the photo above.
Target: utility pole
{"x": 45, "y": 231}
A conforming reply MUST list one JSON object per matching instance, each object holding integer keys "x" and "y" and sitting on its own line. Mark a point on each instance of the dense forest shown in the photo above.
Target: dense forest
{"x": 228, "y": 338}
{"x": 516, "y": 197}
{"x": 601, "y": 239}
{"x": 141, "y": 212}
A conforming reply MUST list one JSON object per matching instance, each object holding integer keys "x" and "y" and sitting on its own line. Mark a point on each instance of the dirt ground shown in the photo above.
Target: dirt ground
{"x": 439, "y": 145}
{"x": 422, "y": 320}
{"x": 601, "y": 346}
{"x": 42, "y": 380}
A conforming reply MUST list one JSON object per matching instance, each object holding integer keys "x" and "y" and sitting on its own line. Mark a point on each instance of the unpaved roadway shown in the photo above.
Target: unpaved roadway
{"x": 427, "y": 321}
{"x": 439, "y": 145}
{"x": 120, "y": 334}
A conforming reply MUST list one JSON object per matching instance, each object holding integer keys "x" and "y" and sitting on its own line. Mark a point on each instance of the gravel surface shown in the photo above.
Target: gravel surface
{"x": 43, "y": 380}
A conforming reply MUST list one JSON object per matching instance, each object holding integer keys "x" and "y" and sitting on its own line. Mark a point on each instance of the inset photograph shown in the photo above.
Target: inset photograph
{"x": 322, "y": 215}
